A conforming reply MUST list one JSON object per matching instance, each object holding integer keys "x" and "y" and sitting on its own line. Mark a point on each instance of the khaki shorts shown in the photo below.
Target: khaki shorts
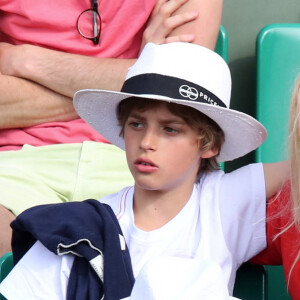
{"x": 61, "y": 173}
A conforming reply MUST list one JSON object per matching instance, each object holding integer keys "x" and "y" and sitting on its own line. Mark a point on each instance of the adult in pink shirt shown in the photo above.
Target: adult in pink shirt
{"x": 43, "y": 61}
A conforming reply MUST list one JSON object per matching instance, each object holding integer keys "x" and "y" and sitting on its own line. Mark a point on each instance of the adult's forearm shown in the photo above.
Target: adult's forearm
{"x": 77, "y": 72}
{"x": 62, "y": 72}
{"x": 276, "y": 174}
{"x": 24, "y": 103}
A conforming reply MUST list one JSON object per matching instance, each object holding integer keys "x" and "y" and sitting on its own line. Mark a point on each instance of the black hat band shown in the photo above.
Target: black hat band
{"x": 172, "y": 87}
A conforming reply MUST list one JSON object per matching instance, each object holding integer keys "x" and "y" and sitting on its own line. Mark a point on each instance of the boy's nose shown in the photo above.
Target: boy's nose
{"x": 148, "y": 141}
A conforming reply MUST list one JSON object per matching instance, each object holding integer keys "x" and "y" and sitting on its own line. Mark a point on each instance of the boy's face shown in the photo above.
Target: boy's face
{"x": 162, "y": 151}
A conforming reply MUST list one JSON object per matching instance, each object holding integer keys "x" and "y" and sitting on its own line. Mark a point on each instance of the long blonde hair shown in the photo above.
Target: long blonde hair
{"x": 294, "y": 141}
{"x": 294, "y": 154}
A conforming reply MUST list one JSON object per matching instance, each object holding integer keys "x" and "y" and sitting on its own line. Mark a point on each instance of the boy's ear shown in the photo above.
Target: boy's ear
{"x": 209, "y": 153}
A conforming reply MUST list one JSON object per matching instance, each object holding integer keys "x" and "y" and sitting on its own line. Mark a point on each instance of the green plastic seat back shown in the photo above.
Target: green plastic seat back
{"x": 222, "y": 43}
{"x": 6, "y": 264}
{"x": 278, "y": 65}
{"x": 251, "y": 283}
{"x": 222, "y": 50}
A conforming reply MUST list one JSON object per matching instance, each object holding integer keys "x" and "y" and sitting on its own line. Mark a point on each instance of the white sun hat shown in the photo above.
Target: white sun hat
{"x": 182, "y": 73}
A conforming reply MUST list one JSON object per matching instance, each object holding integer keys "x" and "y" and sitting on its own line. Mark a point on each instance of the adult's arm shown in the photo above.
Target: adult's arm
{"x": 66, "y": 73}
{"x": 196, "y": 21}
{"x": 53, "y": 71}
{"x": 24, "y": 103}
{"x": 276, "y": 174}
{"x": 63, "y": 72}
{"x": 203, "y": 29}
{"x": 206, "y": 27}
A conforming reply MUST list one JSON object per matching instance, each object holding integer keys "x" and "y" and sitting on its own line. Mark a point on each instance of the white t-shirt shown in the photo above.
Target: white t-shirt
{"x": 222, "y": 224}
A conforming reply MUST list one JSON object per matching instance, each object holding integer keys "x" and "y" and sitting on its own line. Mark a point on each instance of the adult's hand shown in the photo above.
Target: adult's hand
{"x": 164, "y": 20}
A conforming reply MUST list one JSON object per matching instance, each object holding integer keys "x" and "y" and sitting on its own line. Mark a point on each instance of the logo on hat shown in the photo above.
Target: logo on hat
{"x": 188, "y": 92}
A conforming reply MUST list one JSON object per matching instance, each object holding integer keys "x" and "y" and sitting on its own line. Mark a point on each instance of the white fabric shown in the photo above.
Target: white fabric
{"x": 223, "y": 223}
{"x": 39, "y": 275}
{"x": 180, "y": 278}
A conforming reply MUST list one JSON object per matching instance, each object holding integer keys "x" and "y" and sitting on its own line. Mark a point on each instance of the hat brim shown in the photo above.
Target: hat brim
{"x": 242, "y": 133}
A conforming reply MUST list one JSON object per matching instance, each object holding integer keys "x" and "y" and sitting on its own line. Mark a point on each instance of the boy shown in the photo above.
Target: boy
{"x": 173, "y": 120}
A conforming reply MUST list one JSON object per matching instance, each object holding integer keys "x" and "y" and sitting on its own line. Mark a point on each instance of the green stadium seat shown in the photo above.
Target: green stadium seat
{"x": 6, "y": 264}
{"x": 251, "y": 283}
{"x": 222, "y": 43}
{"x": 278, "y": 65}
{"x": 222, "y": 50}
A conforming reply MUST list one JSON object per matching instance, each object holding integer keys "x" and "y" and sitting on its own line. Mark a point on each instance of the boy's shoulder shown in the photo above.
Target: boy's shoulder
{"x": 120, "y": 200}
{"x": 243, "y": 176}
{"x": 210, "y": 176}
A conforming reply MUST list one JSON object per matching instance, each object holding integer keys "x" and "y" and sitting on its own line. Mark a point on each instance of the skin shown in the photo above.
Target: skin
{"x": 164, "y": 178}
{"x": 6, "y": 218}
{"x": 276, "y": 174}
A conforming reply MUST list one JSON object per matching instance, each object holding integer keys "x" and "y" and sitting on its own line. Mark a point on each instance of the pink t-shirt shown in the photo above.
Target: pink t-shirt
{"x": 52, "y": 24}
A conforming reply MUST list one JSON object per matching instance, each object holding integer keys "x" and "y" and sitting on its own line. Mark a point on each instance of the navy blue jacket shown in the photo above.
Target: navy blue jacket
{"x": 88, "y": 229}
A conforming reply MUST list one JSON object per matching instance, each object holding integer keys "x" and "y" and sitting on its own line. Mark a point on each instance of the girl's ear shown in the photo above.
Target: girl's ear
{"x": 209, "y": 153}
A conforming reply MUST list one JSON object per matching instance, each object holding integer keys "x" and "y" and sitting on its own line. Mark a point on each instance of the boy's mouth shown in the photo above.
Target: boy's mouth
{"x": 144, "y": 162}
{"x": 145, "y": 165}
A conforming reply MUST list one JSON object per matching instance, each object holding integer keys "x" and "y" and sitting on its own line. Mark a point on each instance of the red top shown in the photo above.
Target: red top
{"x": 284, "y": 249}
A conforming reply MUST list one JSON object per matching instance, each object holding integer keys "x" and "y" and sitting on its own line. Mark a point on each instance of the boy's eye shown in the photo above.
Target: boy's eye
{"x": 136, "y": 124}
{"x": 171, "y": 130}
